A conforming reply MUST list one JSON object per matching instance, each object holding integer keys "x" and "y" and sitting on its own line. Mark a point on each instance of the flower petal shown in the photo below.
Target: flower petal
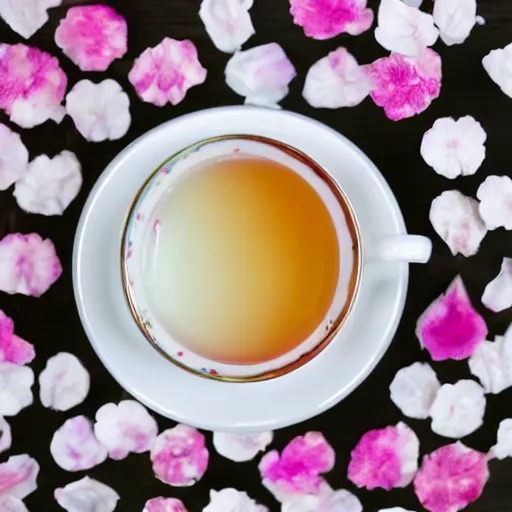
{"x": 232, "y": 500}
{"x": 503, "y": 447}
{"x": 125, "y": 428}
{"x": 15, "y": 388}
{"x": 179, "y": 456}
{"x": 26, "y": 17}
{"x": 13, "y": 157}
{"x": 454, "y": 148}
{"x": 164, "y": 74}
{"x": 64, "y": 383}
{"x": 241, "y": 447}
{"x": 5, "y": 436}
{"x": 394, "y": 509}
{"x": 323, "y": 19}
{"x": 100, "y": 111}
{"x": 13, "y": 349}
{"x": 495, "y": 195}
{"x": 92, "y": 36}
{"x": 87, "y": 495}
{"x": 33, "y": 85}
{"x": 455, "y": 19}
{"x": 385, "y": 458}
{"x": 405, "y": 86}
{"x": 458, "y": 409}
{"x": 227, "y": 22}
{"x": 498, "y": 64}
{"x": 164, "y": 505}
{"x": 261, "y": 74}
{"x": 450, "y": 328}
{"x": 74, "y": 446}
{"x": 336, "y": 81}
{"x": 28, "y": 264}
{"x": 404, "y": 29}
{"x": 414, "y": 389}
{"x": 18, "y": 476}
{"x": 498, "y": 293}
{"x": 450, "y": 478}
{"x": 456, "y": 219}
{"x": 330, "y": 501}
{"x": 11, "y": 504}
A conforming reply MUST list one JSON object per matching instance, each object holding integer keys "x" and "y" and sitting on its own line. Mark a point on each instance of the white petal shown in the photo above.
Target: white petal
{"x": 26, "y": 17}
{"x": 455, "y": 19}
{"x": 414, "y": 389}
{"x": 100, "y": 111}
{"x": 87, "y": 495}
{"x": 394, "y": 509}
{"x": 18, "y": 476}
{"x": 495, "y": 195}
{"x": 458, "y": 409}
{"x": 241, "y": 447}
{"x": 13, "y": 157}
{"x": 498, "y": 293}
{"x": 15, "y": 388}
{"x": 503, "y": 447}
{"x": 10, "y": 503}
{"x": 233, "y": 501}
{"x": 49, "y": 185}
{"x": 261, "y": 74}
{"x": 456, "y": 219}
{"x": 404, "y": 29}
{"x": 454, "y": 148}
{"x": 227, "y": 22}
{"x": 64, "y": 383}
{"x": 498, "y": 64}
{"x": 336, "y": 81}
{"x": 5, "y": 436}
{"x": 330, "y": 501}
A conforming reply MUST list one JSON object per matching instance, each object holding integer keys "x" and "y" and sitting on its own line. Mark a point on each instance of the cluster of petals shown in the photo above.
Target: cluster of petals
{"x": 13, "y": 349}
{"x": 498, "y": 64}
{"x": 498, "y": 293}
{"x": 241, "y": 447}
{"x": 455, "y": 19}
{"x": 164, "y": 505}
{"x": 18, "y": 476}
{"x": 13, "y": 157}
{"x": 87, "y": 495}
{"x": 232, "y": 500}
{"x": 503, "y": 447}
{"x": 15, "y": 388}
{"x": 495, "y": 196}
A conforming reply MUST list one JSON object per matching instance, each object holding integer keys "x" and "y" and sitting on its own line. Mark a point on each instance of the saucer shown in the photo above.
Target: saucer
{"x": 226, "y": 406}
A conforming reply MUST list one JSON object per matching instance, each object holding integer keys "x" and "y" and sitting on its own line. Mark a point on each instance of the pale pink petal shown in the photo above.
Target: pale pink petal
{"x": 261, "y": 74}
{"x": 404, "y": 29}
{"x": 332, "y": 501}
{"x": 450, "y": 328}
{"x": 13, "y": 349}
{"x": 5, "y": 436}
{"x": 33, "y": 85}
{"x": 18, "y": 476}
{"x": 498, "y": 64}
{"x": 87, "y": 495}
{"x": 394, "y": 509}
{"x": 15, "y": 388}
{"x": 336, "y": 81}
{"x": 454, "y": 148}
{"x": 13, "y": 157}
{"x": 179, "y": 456}
{"x": 455, "y": 19}
{"x": 125, "y": 428}
{"x": 498, "y": 293}
{"x": 164, "y": 74}
{"x": 323, "y": 19}
{"x": 227, "y": 22}
{"x": 385, "y": 458}
{"x": 64, "y": 383}
{"x": 28, "y": 264}
{"x": 11, "y": 504}
{"x": 495, "y": 195}
{"x": 233, "y": 501}
{"x": 241, "y": 447}
{"x": 74, "y": 446}
{"x": 405, "y": 86}
{"x": 450, "y": 478}
{"x": 100, "y": 111}
{"x": 414, "y": 389}
{"x": 92, "y": 36}
{"x": 503, "y": 447}
{"x": 26, "y": 17}
{"x": 456, "y": 219}
{"x": 164, "y": 505}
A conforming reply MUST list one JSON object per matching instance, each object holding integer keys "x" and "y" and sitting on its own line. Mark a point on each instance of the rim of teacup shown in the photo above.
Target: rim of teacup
{"x": 353, "y": 285}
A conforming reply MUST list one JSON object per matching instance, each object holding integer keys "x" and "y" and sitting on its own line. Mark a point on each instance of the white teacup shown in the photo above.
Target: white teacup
{"x": 141, "y": 229}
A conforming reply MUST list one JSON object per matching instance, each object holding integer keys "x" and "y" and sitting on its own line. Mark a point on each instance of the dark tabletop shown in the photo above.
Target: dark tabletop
{"x": 52, "y": 323}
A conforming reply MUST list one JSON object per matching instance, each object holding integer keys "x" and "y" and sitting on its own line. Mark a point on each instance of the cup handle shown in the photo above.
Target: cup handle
{"x": 406, "y": 248}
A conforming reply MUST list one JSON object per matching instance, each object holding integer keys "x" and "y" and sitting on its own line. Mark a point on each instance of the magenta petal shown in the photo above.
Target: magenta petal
{"x": 450, "y": 328}
{"x": 13, "y": 349}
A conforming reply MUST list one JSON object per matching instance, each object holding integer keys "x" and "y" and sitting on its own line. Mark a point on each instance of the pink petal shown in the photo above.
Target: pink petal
{"x": 164, "y": 74}
{"x": 405, "y": 86}
{"x": 28, "y": 264}
{"x": 5, "y": 436}
{"x": 495, "y": 195}
{"x": 385, "y": 458}
{"x": 241, "y": 447}
{"x": 11, "y": 504}
{"x": 87, "y": 495}
{"x": 92, "y": 36}
{"x": 18, "y": 476}
{"x": 74, "y": 447}
{"x": 450, "y": 328}
{"x": 15, "y": 388}
{"x": 450, "y": 478}
{"x": 323, "y": 19}
{"x": 297, "y": 469}
{"x": 164, "y": 505}
{"x": 180, "y": 456}
{"x": 33, "y": 85}
{"x": 13, "y": 349}
{"x": 498, "y": 293}
{"x": 13, "y": 157}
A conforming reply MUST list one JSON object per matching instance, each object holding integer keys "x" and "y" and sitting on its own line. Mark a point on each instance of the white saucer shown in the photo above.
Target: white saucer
{"x": 222, "y": 406}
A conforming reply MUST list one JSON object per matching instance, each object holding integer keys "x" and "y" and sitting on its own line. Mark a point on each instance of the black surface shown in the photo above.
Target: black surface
{"x": 52, "y": 323}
